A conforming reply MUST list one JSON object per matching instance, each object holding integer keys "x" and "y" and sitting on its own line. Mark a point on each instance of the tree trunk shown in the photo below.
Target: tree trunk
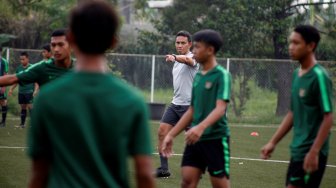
{"x": 284, "y": 72}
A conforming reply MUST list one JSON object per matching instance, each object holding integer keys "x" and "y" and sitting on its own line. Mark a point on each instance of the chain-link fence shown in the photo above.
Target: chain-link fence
{"x": 260, "y": 87}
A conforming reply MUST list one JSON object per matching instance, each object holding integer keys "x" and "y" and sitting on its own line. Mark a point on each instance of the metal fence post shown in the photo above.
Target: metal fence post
{"x": 7, "y": 55}
{"x": 228, "y": 64}
{"x": 152, "y": 79}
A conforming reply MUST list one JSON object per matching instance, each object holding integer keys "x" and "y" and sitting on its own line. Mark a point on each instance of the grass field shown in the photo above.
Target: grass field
{"x": 247, "y": 171}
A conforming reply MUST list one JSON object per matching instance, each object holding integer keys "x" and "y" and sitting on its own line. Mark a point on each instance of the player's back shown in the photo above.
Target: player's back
{"x": 93, "y": 123}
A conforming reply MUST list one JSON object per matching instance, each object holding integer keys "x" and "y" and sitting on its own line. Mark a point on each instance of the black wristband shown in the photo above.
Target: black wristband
{"x": 174, "y": 56}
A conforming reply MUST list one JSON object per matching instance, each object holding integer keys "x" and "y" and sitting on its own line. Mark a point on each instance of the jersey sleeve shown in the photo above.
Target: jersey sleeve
{"x": 224, "y": 86}
{"x": 30, "y": 75}
{"x": 325, "y": 91}
{"x": 140, "y": 142}
{"x": 38, "y": 141}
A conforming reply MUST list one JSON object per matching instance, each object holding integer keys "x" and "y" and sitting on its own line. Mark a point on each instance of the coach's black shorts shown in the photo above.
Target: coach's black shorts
{"x": 174, "y": 113}
{"x": 25, "y": 98}
{"x": 213, "y": 155}
{"x": 296, "y": 175}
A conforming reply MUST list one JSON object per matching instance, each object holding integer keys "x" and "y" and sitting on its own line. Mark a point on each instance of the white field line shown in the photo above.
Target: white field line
{"x": 176, "y": 154}
{"x": 261, "y": 126}
{"x": 251, "y": 159}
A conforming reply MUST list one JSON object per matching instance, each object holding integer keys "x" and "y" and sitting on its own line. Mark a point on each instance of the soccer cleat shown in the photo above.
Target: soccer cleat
{"x": 162, "y": 173}
{"x": 22, "y": 126}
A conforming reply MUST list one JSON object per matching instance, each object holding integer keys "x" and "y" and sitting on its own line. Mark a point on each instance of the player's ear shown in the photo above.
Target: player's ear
{"x": 70, "y": 37}
{"x": 114, "y": 42}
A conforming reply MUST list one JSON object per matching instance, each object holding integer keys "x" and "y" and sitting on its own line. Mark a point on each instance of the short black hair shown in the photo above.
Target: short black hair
{"x": 46, "y": 47}
{"x": 184, "y": 33}
{"x": 24, "y": 54}
{"x": 94, "y": 25}
{"x": 209, "y": 37}
{"x": 309, "y": 34}
{"x": 59, "y": 32}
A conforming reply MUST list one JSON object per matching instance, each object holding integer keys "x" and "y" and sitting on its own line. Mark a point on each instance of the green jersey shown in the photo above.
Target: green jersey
{"x": 28, "y": 87}
{"x": 3, "y": 66}
{"x": 207, "y": 89}
{"x": 311, "y": 98}
{"x": 42, "y": 72}
{"x": 87, "y": 124}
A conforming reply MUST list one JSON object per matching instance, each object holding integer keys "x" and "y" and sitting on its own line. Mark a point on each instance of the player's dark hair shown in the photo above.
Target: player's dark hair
{"x": 59, "y": 33}
{"x": 46, "y": 47}
{"x": 184, "y": 34}
{"x": 309, "y": 34}
{"x": 24, "y": 54}
{"x": 94, "y": 26}
{"x": 209, "y": 37}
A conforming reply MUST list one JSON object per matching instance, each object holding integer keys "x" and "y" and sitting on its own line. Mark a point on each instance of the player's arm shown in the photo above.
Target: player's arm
{"x": 284, "y": 128}
{"x": 39, "y": 173}
{"x": 143, "y": 171}
{"x": 8, "y": 79}
{"x": 167, "y": 145}
{"x": 11, "y": 89}
{"x": 36, "y": 89}
{"x": 311, "y": 159}
{"x": 195, "y": 133}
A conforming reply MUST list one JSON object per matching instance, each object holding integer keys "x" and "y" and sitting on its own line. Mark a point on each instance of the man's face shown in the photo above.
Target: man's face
{"x": 182, "y": 45}
{"x": 298, "y": 48}
{"x": 201, "y": 52}
{"x": 24, "y": 60}
{"x": 60, "y": 48}
{"x": 46, "y": 54}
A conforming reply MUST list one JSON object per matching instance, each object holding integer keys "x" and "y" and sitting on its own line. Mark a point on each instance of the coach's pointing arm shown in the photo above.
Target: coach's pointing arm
{"x": 8, "y": 79}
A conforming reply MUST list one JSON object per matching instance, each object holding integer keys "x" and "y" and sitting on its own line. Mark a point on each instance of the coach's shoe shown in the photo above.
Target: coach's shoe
{"x": 162, "y": 173}
{"x": 2, "y": 124}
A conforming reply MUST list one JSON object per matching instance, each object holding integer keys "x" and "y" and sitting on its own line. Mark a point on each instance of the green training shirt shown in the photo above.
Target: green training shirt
{"x": 88, "y": 124}
{"x": 27, "y": 87}
{"x": 207, "y": 89}
{"x": 42, "y": 72}
{"x": 311, "y": 98}
{"x": 3, "y": 66}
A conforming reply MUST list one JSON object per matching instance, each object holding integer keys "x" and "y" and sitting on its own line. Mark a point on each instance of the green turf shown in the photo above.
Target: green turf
{"x": 14, "y": 164}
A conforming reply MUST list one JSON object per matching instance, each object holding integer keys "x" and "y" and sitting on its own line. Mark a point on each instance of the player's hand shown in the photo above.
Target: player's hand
{"x": 34, "y": 94}
{"x": 311, "y": 161}
{"x": 170, "y": 58}
{"x": 167, "y": 146}
{"x": 267, "y": 150}
{"x": 194, "y": 134}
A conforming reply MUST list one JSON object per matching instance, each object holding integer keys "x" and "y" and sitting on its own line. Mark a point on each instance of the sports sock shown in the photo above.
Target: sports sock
{"x": 23, "y": 116}
{"x": 164, "y": 162}
{"x": 4, "y": 113}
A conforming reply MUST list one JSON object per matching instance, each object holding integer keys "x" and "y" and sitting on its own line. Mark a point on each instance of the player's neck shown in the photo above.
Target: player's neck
{"x": 209, "y": 64}
{"x": 308, "y": 62}
{"x": 66, "y": 63}
{"x": 91, "y": 63}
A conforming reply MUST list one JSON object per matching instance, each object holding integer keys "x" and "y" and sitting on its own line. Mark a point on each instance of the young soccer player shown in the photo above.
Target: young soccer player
{"x": 46, "y": 52}
{"x": 89, "y": 145}
{"x": 310, "y": 113}
{"x": 207, "y": 141}
{"x": 26, "y": 91}
{"x": 184, "y": 71}
{"x": 3, "y": 94}
{"x": 45, "y": 71}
